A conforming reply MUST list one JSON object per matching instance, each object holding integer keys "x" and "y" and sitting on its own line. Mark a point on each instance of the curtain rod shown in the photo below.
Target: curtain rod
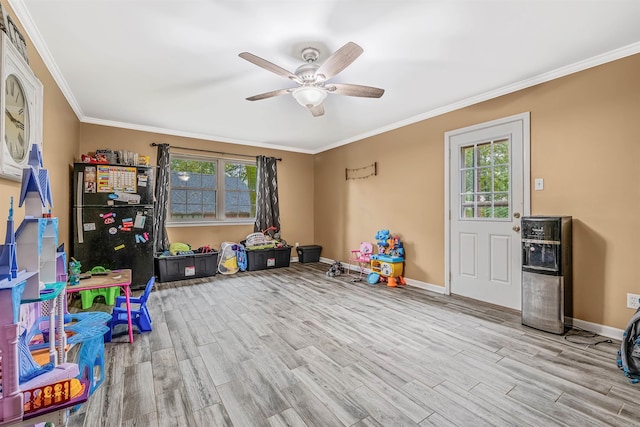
{"x": 154, "y": 144}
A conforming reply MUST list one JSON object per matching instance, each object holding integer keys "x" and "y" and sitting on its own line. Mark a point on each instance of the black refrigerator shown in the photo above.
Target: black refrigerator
{"x": 113, "y": 218}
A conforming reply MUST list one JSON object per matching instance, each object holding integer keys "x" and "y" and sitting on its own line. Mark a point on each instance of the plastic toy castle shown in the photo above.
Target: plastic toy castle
{"x": 32, "y": 272}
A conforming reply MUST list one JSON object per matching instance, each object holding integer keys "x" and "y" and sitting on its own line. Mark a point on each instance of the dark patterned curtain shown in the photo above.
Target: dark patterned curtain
{"x": 160, "y": 239}
{"x": 267, "y": 209}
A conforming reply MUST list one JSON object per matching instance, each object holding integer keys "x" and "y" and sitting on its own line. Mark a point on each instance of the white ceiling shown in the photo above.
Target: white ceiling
{"x": 173, "y": 66}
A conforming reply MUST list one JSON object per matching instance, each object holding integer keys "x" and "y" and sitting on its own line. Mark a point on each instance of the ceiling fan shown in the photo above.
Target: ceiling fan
{"x": 312, "y": 77}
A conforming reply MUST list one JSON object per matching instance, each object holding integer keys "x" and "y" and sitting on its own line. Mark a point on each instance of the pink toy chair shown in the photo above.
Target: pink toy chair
{"x": 362, "y": 258}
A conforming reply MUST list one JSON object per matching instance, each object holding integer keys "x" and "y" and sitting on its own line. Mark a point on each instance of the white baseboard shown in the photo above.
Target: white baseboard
{"x": 605, "y": 331}
{"x": 410, "y": 282}
{"x": 424, "y": 285}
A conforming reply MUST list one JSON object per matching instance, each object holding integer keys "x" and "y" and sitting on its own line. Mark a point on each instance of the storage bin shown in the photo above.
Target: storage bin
{"x": 180, "y": 267}
{"x": 261, "y": 259}
{"x": 309, "y": 253}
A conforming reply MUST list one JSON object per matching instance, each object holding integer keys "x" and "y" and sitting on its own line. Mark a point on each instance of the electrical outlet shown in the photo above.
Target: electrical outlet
{"x": 633, "y": 301}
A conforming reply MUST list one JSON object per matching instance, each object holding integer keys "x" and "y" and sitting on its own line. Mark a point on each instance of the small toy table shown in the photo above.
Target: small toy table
{"x": 120, "y": 278}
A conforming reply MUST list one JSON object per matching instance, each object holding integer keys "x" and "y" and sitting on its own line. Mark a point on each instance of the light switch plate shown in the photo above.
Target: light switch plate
{"x": 539, "y": 184}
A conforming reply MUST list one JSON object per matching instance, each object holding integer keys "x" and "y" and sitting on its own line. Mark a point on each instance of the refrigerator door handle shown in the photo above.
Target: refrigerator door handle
{"x": 80, "y": 231}
{"x": 79, "y": 204}
{"x": 79, "y": 189}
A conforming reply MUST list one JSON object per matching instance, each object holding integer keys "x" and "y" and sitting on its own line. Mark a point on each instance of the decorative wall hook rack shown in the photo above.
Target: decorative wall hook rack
{"x": 361, "y": 173}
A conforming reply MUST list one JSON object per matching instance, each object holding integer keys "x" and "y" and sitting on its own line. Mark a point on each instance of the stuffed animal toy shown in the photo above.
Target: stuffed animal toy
{"x": 382, "y": 237}
{"x": 336, "y": 269}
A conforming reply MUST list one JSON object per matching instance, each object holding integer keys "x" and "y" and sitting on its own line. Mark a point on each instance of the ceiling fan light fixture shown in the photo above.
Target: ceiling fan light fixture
{"x": 311, "y": 77}
{"x": 309, "y": 96}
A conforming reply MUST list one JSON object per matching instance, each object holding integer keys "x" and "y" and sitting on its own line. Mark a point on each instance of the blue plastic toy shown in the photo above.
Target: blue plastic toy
{"x": 140, "y": 317}
{"x": 382, "y": 237}
{"x": 373, "y": 278}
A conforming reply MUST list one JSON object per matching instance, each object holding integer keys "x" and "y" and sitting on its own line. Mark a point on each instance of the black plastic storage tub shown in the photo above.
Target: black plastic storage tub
{"x": 261, "y": 259}
{"x": 309, "y": 253}
{"x": 180, "y": 267}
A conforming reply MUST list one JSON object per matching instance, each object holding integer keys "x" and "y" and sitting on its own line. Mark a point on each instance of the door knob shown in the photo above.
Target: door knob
{"x": 516, "y": 228}
{"x": 516, "y": 214}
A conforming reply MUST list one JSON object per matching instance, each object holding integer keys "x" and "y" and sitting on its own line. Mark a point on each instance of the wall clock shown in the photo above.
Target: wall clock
{"x": 21, "y": 107}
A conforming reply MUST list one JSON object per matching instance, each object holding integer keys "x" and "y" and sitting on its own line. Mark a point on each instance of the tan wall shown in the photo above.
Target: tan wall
{"x": 584, "y": 143}
{"x": 295, "y": 182}
{"x": 60, "y": 142}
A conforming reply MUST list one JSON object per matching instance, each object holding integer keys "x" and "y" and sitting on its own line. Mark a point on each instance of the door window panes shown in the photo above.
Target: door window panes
{"x": 485, "y": 176}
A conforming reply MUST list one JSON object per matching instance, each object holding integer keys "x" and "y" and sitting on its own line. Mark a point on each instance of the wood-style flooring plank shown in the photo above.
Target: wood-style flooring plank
{"x": 309, "y": 407}
{"x": 146, "y": 420}
{"x": 287, "y": 418}
{"x": 590, "y": 408}
{"x": 340, "y": 404}
{"x": 440, "y": 403}
{"x": 172, "y": 404}
{"x": 561, "y": 413}
{"x": 502, "y": 402}
{"x": 200, "y": 332}
{"x": 174, "y": 319}
{"x": 264, "y": 393}
{"x": 379, "y": 408}
{"x": 282, "y": 350}
{"x": 201, "y": 391}
{"x": 481, "y": 408}
{"x": 159, "y": 337}
{"x": 413, "y": 409}
{"x": 367, "y": 422}
{"x": 166, "y": 371}
{"x": 184, "y": 345}
{"x": 239, "y": 404}
{"x": 436, "y": 420}
{"x": 219, "y": 368}
{"x": 293, "y": 347}
{"x": 213, "y": 416}
{"x": 138, "y": 389}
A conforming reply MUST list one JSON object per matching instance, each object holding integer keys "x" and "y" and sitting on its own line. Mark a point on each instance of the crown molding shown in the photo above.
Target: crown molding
{"x": 604, "y": 58}
{"x": 194, "y": 135}
{"x": 39, "y": 43}
{"x": 41, "y": 46}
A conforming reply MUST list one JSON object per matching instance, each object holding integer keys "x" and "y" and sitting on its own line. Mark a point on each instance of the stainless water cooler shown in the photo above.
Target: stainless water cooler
{"x": 547, "y": 302}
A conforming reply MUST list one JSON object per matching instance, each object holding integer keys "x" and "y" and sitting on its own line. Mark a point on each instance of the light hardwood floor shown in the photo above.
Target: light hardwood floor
{"x": 293, "y": 347}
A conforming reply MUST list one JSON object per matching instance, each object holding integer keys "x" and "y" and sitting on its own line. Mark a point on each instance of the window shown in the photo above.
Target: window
{"x": 208, "y": 189}
{"x": 485, "y": 180}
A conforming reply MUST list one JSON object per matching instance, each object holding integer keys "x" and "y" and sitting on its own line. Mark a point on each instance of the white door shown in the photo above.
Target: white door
{"x": 488, "y": 193}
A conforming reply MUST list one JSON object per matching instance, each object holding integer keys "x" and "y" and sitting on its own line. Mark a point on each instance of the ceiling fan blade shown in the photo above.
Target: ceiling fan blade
{"x": 317, "y": 111}
{"x": 269, "y": 94}
{"x": 267, "y": 65}
{"x": 340, "y": 60}
{"x": 355, "y": 90}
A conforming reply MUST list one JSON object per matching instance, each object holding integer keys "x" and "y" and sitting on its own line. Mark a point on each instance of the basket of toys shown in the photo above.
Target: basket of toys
{"x": 256, "y": 239}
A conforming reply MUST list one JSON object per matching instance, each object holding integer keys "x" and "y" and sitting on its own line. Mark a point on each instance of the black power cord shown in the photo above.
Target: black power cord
{"x": 582, "y": 333}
